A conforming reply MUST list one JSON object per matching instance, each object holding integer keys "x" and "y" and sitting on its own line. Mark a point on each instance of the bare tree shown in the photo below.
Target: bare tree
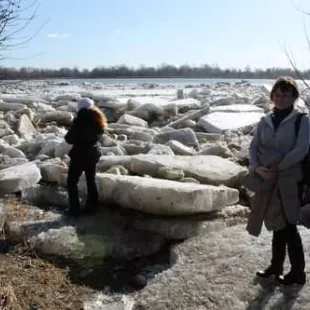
{"x": 299, "y": 74}
{"x": 15, "y": 17}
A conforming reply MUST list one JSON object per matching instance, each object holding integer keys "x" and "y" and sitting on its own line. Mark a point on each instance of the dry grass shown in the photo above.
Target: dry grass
{"x": 19, "y": 212}
{"x": 32, "y": 283}
{"x": 15, "y": 211}
{"x": 8, "y": 299}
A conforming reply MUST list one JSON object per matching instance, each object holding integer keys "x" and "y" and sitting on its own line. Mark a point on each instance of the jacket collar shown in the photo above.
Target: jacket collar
{"x": 291, "y": 115}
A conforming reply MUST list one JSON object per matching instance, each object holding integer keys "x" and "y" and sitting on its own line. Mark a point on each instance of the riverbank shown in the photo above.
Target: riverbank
{"x": 169, "y": 232}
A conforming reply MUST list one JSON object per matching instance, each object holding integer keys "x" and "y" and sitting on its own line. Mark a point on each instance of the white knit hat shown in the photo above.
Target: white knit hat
{"x": 85, "y": 103}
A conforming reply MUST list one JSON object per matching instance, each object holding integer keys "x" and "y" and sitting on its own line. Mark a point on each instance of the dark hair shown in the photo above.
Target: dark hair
{"x": 285, "y": 84}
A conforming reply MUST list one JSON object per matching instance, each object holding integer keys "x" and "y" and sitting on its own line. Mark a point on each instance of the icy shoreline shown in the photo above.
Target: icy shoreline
{"x": 172, "y": 157}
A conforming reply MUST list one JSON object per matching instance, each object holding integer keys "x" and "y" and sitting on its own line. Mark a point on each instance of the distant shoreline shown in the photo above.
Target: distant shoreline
{"x": 135, "y": 78}
{"x": 151, "y": 82}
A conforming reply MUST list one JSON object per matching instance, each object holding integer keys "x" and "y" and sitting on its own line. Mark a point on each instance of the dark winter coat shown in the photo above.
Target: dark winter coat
{"x": 84, "y": 135}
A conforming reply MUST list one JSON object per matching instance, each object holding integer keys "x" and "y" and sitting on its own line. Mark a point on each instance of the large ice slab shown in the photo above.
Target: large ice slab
{"x": 207, "y": 169}
{"x": 237, "y": 108}
{"x": 164, "y": 197}
{"x": 218, "y": 122}
{"x": 188, "y": 102}
{"x": 17, "y": 178}
{"x": 159, "y": 101}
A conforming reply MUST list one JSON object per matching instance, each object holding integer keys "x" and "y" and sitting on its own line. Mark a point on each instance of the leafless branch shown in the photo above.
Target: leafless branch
{"x": 298, "y": 73}
{"x": 298, "y": 8}
{"x": 15, "y": 17}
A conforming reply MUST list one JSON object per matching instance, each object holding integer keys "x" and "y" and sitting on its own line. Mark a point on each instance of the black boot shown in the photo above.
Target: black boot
{"x": 293, "y": 278}
{"x": 278, "y": 255}
{"x": 270, "y": 271}
{"x": 74, "y": 174}
{"x": 73, "y": 213}
{"x": 296, "y": 256}
{"x": 90, "y": 210}
{"x": 91, "y": 205}
{"x": 295, "y": 251}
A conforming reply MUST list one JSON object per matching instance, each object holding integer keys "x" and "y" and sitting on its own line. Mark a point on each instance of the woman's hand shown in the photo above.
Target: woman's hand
{"x": 265, "y": 173}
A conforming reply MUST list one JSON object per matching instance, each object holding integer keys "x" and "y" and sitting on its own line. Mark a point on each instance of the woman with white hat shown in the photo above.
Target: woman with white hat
{"x": 84, "y": 135}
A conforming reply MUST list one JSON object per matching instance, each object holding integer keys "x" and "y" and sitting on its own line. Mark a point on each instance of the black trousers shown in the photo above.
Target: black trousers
{"x": 76, "y": 168}
{"x": 288, "y": 237}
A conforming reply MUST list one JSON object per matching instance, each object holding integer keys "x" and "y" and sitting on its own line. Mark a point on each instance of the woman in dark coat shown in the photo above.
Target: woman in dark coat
{"x": 276, "y": 153}
{"x": 84, "y": 135}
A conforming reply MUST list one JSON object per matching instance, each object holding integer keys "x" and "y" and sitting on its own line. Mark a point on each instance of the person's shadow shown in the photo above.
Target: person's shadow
{"x": 289, "y": 296}
{"x": 269, "y": 288}
{"x": 119, "y": 275}
{"x": 119, "y": 272}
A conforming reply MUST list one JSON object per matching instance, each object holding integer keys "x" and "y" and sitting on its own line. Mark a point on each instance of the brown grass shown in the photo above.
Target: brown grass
{"x": 32, "y": 283}
{"x": 19, "y": 212}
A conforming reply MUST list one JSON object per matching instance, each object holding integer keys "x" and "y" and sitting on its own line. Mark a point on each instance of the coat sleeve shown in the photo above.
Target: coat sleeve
{"x": 254, "y": 163}
{"x": 297, "y": 154}
{"x": 73, "y": 132}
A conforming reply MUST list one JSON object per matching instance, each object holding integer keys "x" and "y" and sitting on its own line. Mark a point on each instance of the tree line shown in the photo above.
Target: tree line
{"x": 162, "y": 71}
